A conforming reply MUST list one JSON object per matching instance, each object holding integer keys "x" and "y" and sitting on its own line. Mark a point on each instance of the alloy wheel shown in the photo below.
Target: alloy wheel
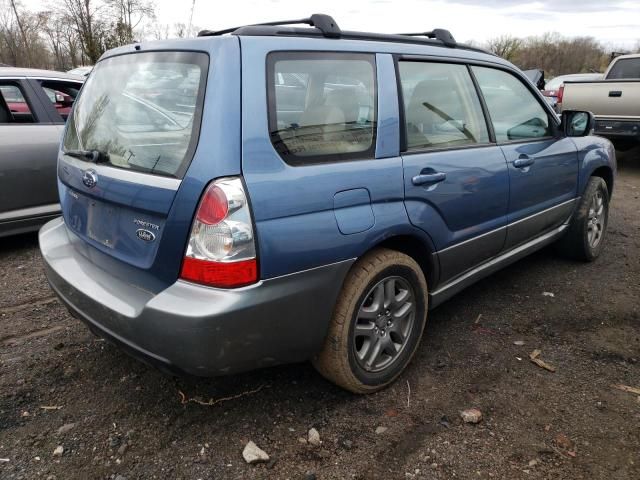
{"x": 596, "y": 219}
{"x": 384, "y": 323}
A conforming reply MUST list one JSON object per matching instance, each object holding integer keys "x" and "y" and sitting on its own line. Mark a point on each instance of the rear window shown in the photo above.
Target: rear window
{"x": 322, "y": 106}
{"x": 625, "y": 68}
{"x": 142, "y": 111}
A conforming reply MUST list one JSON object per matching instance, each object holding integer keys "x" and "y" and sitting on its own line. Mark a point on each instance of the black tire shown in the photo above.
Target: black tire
{"x": 578, "y": 243}
{"x": 344, "y": 359}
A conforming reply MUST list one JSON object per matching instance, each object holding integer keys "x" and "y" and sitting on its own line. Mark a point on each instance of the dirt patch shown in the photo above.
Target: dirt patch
{"x": 131, "y": 420}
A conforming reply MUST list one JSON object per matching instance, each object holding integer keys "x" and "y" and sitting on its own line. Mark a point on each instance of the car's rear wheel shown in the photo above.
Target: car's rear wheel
{"x": 585, "y": 238}
{"x": 377, "y": 322}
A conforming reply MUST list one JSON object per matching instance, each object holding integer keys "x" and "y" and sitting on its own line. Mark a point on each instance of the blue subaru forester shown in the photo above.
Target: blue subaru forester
{"x": 273, "y": 194}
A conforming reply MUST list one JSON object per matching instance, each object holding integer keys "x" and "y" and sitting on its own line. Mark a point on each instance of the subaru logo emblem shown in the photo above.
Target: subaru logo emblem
{"x": 89, "y": 178}
{"x": 145, "y": 235}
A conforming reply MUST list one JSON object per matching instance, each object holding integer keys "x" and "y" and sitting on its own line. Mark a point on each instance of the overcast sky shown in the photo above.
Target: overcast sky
{"x": 616, "y": 23}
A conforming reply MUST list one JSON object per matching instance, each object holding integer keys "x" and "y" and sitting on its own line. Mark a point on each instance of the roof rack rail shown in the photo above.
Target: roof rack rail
{"x": 326, "y": 24}
{"x": 438, "y": 33}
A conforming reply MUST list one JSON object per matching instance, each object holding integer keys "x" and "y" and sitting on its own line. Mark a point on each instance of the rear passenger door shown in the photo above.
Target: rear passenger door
{"x": 543, "y": 164}
{"x": 28, "y": 151}
{"x": 456, "y": 180}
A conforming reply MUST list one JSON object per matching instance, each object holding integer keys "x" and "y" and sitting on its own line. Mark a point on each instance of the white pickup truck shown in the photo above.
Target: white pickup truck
{"x": 615, "y": 101}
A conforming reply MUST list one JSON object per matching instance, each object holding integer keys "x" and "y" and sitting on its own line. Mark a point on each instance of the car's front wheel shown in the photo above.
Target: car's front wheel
{"x": 585, "y": 238}
{"x": 377, "y": 322}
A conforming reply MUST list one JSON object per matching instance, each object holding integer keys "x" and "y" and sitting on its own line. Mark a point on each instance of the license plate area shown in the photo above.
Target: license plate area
{"x": 102, "y": 223}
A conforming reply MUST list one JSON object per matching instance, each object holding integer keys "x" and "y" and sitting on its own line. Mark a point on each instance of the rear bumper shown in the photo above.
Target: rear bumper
{"x": 618, "y": 129}
{"x": 193, "y": 329}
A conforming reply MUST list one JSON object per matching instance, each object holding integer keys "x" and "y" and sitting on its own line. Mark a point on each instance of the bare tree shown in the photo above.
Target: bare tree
{"x": 505, "y": 46}
{"x": 159, "y": 31}
{"x": 20, "y": 40}
{"x": 22, "y": 31}
{"x": 128, "y": 14}
{"x": 557, "y": 55}
{"x": 53, "y": 29}
{"x": 88, "y": 26}
{"x": 180, "y": 30}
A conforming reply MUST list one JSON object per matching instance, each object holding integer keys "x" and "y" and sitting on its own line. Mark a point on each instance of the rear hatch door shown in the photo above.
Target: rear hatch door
{"x": 132, "y": 164}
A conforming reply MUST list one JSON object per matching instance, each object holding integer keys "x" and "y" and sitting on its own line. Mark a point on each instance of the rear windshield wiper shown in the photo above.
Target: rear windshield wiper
{"x": 94, "y": 156}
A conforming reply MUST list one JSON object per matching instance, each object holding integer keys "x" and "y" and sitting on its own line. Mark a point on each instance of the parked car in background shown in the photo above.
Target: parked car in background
{"x": 81, "y": 71}
{"x": 33, "y": 107}
{"x": 328, "y": 190}
{"x": 553, "y": 88}
{"x": 615, "y": 101}
{"x": 61, "y": 100}
{"x": 18, "y": 105}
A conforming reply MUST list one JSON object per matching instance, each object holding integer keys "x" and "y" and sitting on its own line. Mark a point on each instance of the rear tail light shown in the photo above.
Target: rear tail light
{"x": 560, "y": 94}
{"x": 221, "y": 250}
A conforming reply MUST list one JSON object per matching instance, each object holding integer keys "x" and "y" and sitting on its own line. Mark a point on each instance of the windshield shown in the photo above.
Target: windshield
{"x": 141, "y": 111}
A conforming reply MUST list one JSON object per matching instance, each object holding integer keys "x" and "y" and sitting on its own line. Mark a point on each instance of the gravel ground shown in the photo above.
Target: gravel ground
{"x": 116, "y": 418}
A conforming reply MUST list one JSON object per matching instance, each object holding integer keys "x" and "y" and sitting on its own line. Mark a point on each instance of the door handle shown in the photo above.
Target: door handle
{"x": 615, "y": 93}
{"x": 429, "y": 178}
{"x": 524, "y": 161}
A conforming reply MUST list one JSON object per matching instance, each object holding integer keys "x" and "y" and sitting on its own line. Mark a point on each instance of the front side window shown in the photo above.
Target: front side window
{"x": 514, "y": 111}
{"x": 322, "y": 106}
{"x": 141, "y": 111}
{"x": 441, "y": 106}
{"x": 61, "y": 95}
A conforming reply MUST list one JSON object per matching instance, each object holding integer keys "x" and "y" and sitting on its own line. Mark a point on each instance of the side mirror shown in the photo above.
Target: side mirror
{"x": 577, "y": 124}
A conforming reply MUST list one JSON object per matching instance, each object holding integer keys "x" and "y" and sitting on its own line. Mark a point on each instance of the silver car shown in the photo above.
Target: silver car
{"x": 34, "y": 105}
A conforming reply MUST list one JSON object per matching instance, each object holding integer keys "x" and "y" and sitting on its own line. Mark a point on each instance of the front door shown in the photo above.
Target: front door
{"x": 543, "y": 166}
{"x": 456, "y": 179}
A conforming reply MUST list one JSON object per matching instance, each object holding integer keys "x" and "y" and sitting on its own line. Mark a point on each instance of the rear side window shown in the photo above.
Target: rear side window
{"x": 516, "y": 114}
{"x": 625, "y": 68}
{"x": 441, "y": 106}
{"x": 142, "y": 111}
{"x": 322, "y": 106}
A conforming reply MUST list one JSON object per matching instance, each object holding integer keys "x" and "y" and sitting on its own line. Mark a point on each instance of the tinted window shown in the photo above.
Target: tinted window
{"x": 442, "y": 108}
{"x": 514, "y": 111}
{"x": 625, "y": 68}
{"x": 16, "y": 103}
{"x": 322, "y": 107}
{"x": 142, "y": 110}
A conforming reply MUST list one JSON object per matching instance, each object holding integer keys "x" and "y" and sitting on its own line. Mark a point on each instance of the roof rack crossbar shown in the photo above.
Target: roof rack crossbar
{"x": 325, "y": 23}
{"x": 438, "y": 33}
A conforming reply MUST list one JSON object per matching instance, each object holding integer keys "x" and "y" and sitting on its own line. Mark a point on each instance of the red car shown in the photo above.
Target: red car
{"x": 17, "y": 104}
